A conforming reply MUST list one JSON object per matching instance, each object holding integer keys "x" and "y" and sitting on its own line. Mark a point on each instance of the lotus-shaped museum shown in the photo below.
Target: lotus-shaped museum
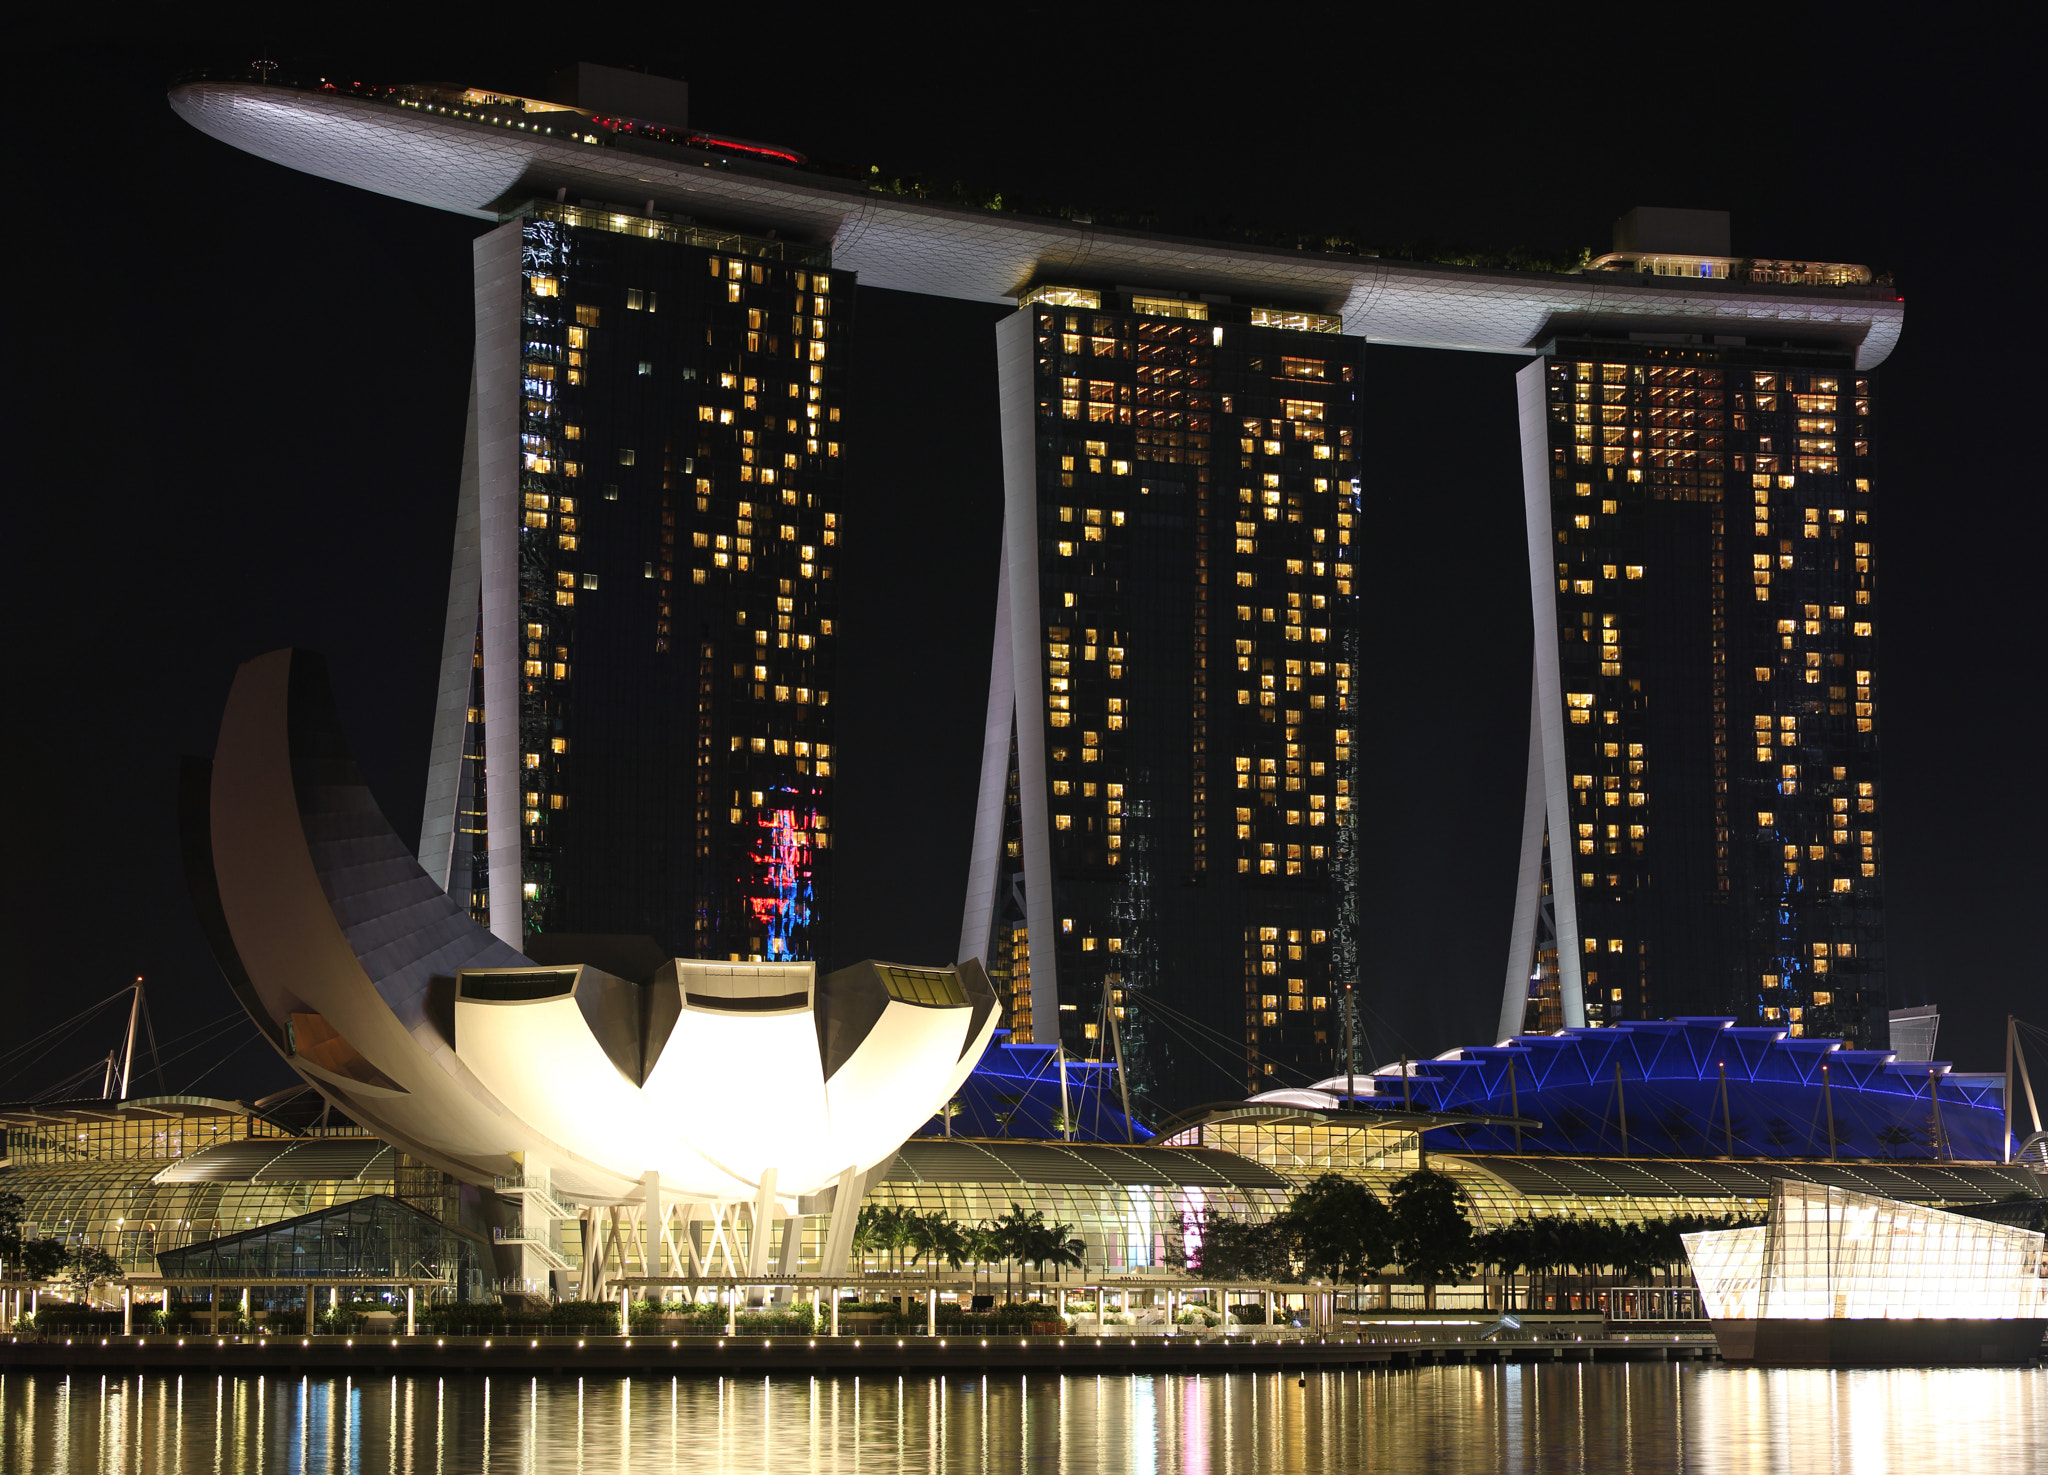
{"x": 729, "y": 1081}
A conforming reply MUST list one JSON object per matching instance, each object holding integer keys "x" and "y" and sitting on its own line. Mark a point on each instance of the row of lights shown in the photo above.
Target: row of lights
{"x": 472, "y": 117}
{"x": 769, "y": 1342}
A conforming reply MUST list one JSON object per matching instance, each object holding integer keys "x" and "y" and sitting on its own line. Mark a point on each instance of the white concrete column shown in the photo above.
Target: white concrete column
{"x": 411, "y": 1326}
{"x": 652, "y": 1219}
{"x": 625, "y": 1311}
{"x": 499, "y": 287}
{"x": 758, "y": 1230}
{"x": 1016, "y": 361}
{"x": 790, "y": 1260}
{"x": 127, "y": 1310}
{"x": 1514, "y": 1003}
{"x": 984, "y": 864}
{"x": 846, "y": 1197}
{"x": 931, "y": 1312}
{"x": 835, "y": 1311}
{"x": 438, "y": 827}
{"x": 1550, "y": 696}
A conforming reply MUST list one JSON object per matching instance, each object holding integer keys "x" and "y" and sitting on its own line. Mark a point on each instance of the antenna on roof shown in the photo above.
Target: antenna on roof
{"x": 128, "y": 1050}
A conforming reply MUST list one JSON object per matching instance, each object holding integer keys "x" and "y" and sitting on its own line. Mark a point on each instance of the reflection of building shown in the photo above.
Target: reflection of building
{"x": 1702, "y": 828}
{"x": 634, "y": 730}
{"x": 1166, "y": 831}
{"x": 1838, "y": 1276}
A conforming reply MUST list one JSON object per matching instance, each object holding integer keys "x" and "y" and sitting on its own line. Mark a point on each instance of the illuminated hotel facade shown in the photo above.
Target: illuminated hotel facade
{"x": 643, "y": 587}
{"x": 1703, "y": 831}
{"x": 1165, "y": 842}
{"x": 655, "y": 758}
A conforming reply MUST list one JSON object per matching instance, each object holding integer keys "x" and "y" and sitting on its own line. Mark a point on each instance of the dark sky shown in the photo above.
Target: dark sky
{"x": 242, "y": 393}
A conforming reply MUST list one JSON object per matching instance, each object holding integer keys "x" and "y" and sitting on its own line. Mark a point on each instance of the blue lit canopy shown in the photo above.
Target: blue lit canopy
{"x": 1015, "y": 1092}
{"x": 1655, "y": 1089}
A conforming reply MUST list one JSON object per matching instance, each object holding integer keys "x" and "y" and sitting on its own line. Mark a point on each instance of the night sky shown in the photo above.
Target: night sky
{"x": 243, "y": 395}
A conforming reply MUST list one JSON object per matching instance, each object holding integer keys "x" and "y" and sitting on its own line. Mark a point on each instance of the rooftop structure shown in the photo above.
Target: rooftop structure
{"x": 483, "y": 154}
{"x": 1688, "y": 1087}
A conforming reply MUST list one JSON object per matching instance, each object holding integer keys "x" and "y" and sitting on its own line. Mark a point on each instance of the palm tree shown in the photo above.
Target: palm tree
{"x": 1012, "y": 1236}
{"x": 1547, "y": 1252}
{"x": 934, "y": 1233}
{"x": 978, "y": 1244}
{"x": 867, "y": 1230}
{"x": 1054, "y": 1244}
{"x": 1507, "y": 1248}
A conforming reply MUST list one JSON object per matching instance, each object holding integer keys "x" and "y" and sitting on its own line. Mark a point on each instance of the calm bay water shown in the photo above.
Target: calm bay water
{"x": 1642, "y": 1417}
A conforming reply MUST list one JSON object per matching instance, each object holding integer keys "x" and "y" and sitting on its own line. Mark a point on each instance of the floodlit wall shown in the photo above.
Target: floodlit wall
{"x": 1827, "y": 1252}
{"x": 1728, "y": 1267}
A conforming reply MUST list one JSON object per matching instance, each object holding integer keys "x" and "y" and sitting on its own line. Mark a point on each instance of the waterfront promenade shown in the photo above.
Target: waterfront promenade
{"x": 794, "y": 1354}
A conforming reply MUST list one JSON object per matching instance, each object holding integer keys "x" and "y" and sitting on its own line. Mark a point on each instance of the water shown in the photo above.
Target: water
{"x": 1645, "y": 1417}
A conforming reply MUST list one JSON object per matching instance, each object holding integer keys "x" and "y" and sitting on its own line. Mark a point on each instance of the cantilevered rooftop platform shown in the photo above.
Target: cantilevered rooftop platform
{"x": 487, "y": 154}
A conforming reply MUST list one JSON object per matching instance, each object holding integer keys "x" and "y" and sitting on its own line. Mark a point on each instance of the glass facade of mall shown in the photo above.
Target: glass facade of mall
{"x": 1828, "y": 1252}
{"x": 227, "y": 1193}
{"x": 368, "y": 1239}
{"x": 165, "y": 1174}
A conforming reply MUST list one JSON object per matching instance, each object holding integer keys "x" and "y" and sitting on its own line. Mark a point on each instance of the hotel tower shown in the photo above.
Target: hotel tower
{"x": 1165, "y": 861}
{"x": 1703, "y": 831}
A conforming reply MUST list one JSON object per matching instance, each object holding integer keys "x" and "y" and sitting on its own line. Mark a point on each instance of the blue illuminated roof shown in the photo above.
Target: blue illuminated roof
{"x": 1654, "y": 1089}
{"x": 1015, "y": 1092}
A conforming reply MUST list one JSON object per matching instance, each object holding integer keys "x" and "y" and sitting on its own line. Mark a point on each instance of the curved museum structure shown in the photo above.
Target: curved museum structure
{"x": 720, "y": 1081}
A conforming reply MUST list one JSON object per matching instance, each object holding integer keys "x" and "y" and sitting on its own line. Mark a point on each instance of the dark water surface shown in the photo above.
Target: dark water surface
{"x": 1638, "y": 1417}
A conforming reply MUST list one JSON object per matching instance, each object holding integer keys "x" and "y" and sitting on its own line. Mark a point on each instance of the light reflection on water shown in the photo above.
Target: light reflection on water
{"x": 1646, "y": 1417}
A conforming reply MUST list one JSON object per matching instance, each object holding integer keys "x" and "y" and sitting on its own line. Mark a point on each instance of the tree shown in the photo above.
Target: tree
{"x": 43, "y": 1259}
{"x": 1432, "y": 1237}
{"x": 936, "y": 1234}
{"x": 1343, "y": 1232}
{"x": 87, "y": 1265}
{"x": 1052, "y": 1244}
{"x": 10, "y": 1229}
{"x": 1012, "y": 1238}
{"x": 1228, "y": 1248}
{"x": 1507, "y": 1248}
{"x": 979, "y": 1246}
